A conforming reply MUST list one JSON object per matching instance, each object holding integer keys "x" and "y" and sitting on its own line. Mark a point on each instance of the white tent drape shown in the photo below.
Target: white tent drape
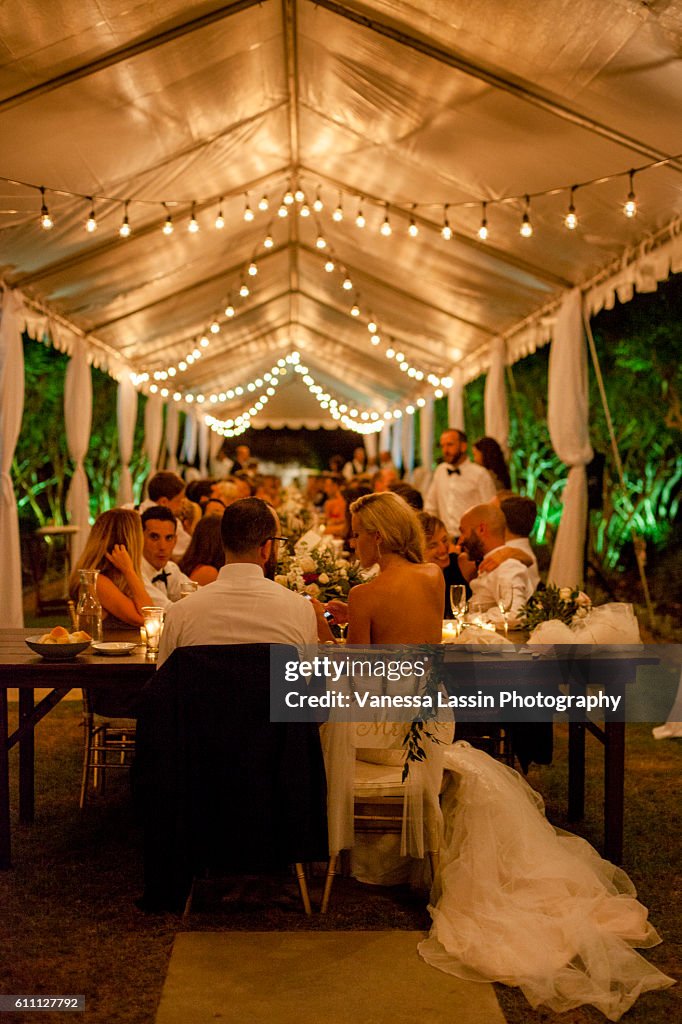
{"x": 397, "y": 443}
{"x": 495, "y": 397}
{"x": 126, "y": 414}
{"x": 189, "y": 442}
{"x": 372, "y": 446}
{"x": 78, "y": 422}
{"x": 203, "y": 438}
{"x": 11, "y": 411}
{"x": 568, "y": 423}
{"x": 426, "y": 434}
{"x": 172, "y": 431}
{"x": 456, "y": 402}
{"x": 385, "y": 438}
{"x": 408, "y": 444}
{"x": 153, "y": 427}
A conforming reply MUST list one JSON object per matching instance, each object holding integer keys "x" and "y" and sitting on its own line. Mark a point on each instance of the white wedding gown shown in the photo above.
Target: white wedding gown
{"x": 521, "y": 903}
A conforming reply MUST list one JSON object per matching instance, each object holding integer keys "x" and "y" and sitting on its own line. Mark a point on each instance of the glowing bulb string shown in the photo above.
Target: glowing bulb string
{"x": 268, "y": 383}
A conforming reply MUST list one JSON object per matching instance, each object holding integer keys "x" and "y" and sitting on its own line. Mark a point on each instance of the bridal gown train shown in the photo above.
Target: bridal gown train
{"x": 524, "y": 904}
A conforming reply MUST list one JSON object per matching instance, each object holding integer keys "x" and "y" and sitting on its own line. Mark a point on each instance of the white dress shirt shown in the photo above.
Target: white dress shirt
{"x": 486, "y": 588}
{"x": 240, "y": 607}
{"x": 523, "y": 544}
{"x": 452, "y": 493}
{"x": 164, "y": 593}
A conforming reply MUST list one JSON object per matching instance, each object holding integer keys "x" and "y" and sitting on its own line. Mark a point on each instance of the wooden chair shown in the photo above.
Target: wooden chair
{"x": 109, "y": 739}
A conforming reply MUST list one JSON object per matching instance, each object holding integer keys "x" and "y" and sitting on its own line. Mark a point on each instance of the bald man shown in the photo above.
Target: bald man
{"x": 482, "y": 532}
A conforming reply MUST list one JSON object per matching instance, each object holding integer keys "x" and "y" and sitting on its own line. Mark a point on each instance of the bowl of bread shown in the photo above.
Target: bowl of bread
{"x": 59, "y": 644}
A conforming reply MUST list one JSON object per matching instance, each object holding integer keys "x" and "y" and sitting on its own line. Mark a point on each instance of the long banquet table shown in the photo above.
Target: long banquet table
{"x": 21, "y": 669}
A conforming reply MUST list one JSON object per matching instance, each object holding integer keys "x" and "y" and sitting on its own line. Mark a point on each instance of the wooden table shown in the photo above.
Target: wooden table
{"x": 580, "y": 668}
{"x": 20, "y": 668}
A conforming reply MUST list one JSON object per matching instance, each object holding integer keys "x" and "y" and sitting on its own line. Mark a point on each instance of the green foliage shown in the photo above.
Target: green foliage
{"x": 42, "y": 468}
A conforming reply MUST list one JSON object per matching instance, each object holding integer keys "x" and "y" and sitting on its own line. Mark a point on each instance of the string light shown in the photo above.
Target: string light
{"x": 338, "y": 212}
{"x": 321, "y": 242}
{"x": 446, "y": 230}
{"x": 288, "y": 197}
{"x": 220, "y": 220}
{"x": 283, "y": 211}
{"x": 253, "y": 269}
{"x": 248, "y": 212}
{"x": 268, "y": 241}
{"x": 630, "y": 207}
{"x": 244, "y": 290}
{"x": 329, "y": 266}
{"x": 386, "y": 226}
{"x": 347, "y": 284}
{"x": 360, "y": 217}
{"x": 526, "y": 229}
{"x": 125, "y": 229}
{"x": 91, "y": 222}
{"x": 304, "y": 210}
{"x": 168, "y": 225}
{"x": 263, "y": 203}
{"x": 193, "y": 225}
{"x": 229, "y": 309}
{"x": 299, "y": 195}
{"x": 318, "y": 205}
{"x": 571, "y": 218}
{"x": 46, "y": 221}
{"x": 483, "y": 229}
{"x": 355, "y": 310}
{"x": 413, "y": 230}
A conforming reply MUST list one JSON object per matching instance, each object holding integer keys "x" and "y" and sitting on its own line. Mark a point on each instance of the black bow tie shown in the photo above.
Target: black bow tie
{"x": 163, "y": 576}
{"x": 451, "y": 471}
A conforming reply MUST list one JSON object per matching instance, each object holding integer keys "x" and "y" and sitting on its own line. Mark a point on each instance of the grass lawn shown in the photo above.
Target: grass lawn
{"x": 69, "y": 924}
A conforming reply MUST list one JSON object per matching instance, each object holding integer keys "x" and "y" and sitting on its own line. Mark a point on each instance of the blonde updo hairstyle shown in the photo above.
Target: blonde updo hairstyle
{"x": 117, "y": 526}
{"x": 396, "y": 523}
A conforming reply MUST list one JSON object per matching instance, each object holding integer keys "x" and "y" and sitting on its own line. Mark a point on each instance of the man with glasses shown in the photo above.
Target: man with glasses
{"x": 244, "y": 605}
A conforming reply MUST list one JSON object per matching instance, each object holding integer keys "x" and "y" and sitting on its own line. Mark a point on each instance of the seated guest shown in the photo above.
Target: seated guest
{"x": 162, "y": 577}
{"x": 408, "y": 493}
{"x": 350, "y": 494}
{"x": 199, "y": 491}
{"x": 314, "y": 491}
{"x": 334, "y": 506}
{"x": 214, "y": 507}
{"x": 357, "y": 465}
{"x": 205, "y": 554}
{"x": 383, "y": 478}
{"x": 168, "y": 490}
{"x": 114, "y": 546}
{"x": 336, "y": 463}
{"x": 437, "y": 549}
{"x": 520, "y": 514}
{"x": 481, "y": 531}
{"x": 244, "y": 605}
{"x": 190, "y": 514}
{"x": 227, "y": 490}
{"x": 243, "y": 481}
{"x": 487, "y": 453}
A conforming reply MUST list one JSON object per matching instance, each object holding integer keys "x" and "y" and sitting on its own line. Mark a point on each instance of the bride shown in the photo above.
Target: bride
{"x": 515, "y": 900}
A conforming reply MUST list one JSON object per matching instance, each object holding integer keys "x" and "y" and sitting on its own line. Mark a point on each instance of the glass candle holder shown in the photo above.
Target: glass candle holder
{"x": 153, "y": 626}
{"x": 190, "y": 587}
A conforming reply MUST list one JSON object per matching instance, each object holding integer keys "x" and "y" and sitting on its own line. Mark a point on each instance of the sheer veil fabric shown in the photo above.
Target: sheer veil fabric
{"x": 524, "y": 904}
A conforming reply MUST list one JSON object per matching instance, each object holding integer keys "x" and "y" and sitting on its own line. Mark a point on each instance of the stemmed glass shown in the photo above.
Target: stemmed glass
{"x": 342, "y": 627}
{"x": 458, "y": 603}
{"x": 505, "y": 600}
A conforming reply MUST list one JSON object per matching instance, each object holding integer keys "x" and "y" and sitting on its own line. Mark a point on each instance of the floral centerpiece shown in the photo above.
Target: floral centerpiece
{"x": 567, "y": 604}
{"x": 318, "y": 572}
{"x": 295, "y": 516}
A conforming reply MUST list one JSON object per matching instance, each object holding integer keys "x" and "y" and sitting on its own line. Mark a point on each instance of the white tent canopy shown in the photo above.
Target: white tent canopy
{"x": 397, "y": 108}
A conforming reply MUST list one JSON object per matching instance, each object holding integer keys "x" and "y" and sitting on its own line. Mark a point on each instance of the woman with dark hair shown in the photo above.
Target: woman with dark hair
{"x": 437, "y": 550}
{"x": 205, "y": 554}
{"x": 487, "y": 453}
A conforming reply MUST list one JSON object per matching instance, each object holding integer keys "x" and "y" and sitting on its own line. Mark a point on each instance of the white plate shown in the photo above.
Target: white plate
{"x": 115, "y": 649}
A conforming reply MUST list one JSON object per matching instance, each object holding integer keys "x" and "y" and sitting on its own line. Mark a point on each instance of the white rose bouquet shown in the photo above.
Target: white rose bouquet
{"x": 319, "y": 573}
{"x": 295, "y": 516}
{"x": 567, "y": 604}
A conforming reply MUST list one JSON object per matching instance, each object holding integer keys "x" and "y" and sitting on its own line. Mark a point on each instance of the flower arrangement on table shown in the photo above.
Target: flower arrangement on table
{"x": 295, "y": 516}
{"x": 318, "y": 572}
{"x": 567, "y": 604}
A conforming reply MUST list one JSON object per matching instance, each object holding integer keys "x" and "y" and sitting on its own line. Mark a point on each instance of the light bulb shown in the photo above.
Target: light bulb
{"x": 372, "y": 327}
{"x": 526, "y": 229}
{"x": 347, "y": 284}
{"x": 219, "y": 222}
{"x": 321, "y": 242}
{"x": 318, "y": 205}
{"x": 413, "y": 230}
{"x": 630, "y": 207}
{"x": 124, "y": 230}
{"x": 244, "y": 290}
{"x": 446, "y": 230}
{"x": 329, "y": 266}
{"x": 355, "y": 311}
{"x": 483, "y": 229}
{"x": 283, "y": 211}
{"x": 571, "y": 218}
{"x": 288, "y": 198}
{"x": 248, "y": 213}
{"x": 360, "y": 218}
{"x": 385, "y": 228}
{"x": 338, "y": 212}
{"x": 91, "y": 222}
{"x": 193, "y": 225}
{"x": 263, "y": 203}
{"x": 268, "y": 242}
{"x": 214, "y": 329}
{"x": 304, "y": 210}
{"x": 229, "y": 310}
{"x": 46, "y": 221}
{"x": 168, "y": 225}
{"x": 375, "y": 339}
{"x": 253, "y": 269}
{"x": 299, "y": 195}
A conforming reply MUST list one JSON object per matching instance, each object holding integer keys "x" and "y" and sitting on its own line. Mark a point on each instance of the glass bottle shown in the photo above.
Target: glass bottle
{"x": 89, "y": 610}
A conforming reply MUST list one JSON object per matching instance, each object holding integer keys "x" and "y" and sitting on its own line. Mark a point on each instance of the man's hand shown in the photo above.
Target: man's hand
{"x": 339, "y": 610}
{"x": 496, "y": 558}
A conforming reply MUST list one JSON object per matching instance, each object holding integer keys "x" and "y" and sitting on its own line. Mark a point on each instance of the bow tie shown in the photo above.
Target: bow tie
{"x": 451, "y": 471}
{"x": 163, "y": 576}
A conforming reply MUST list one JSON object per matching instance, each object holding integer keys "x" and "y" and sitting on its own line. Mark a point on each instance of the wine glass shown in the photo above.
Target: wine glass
{"x": 342, "y": 627}
{"x": 505, "y": 600}
{"x": 458, "y": 603}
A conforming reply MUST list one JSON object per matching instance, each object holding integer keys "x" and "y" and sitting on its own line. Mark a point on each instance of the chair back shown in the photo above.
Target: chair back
{"x": 218, "y": 784}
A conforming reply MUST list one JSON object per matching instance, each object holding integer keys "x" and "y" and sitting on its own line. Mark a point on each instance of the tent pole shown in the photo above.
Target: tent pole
{"x": 636, "y": 541}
